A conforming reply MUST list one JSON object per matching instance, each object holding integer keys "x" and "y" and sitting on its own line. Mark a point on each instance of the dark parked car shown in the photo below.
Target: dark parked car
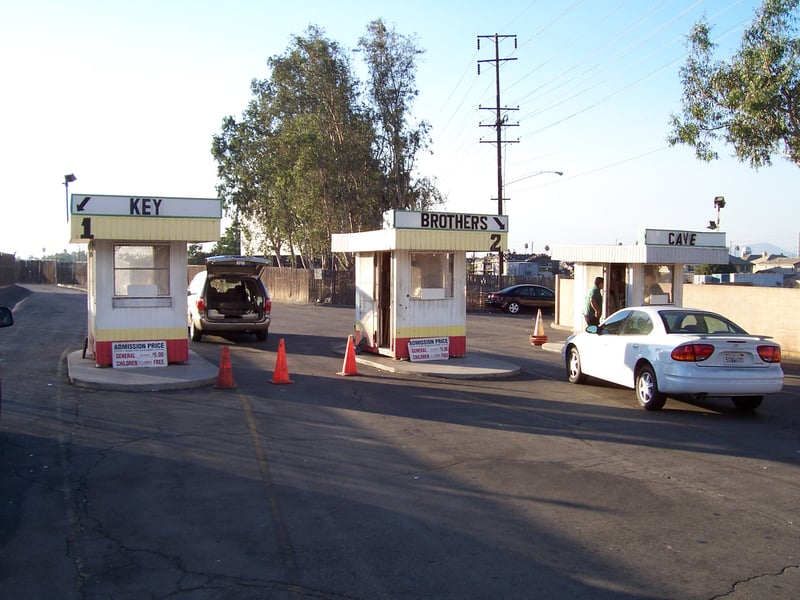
{"x": 6, "y": 320}
{"x": 228, "y": 297}
{"x": 525, "y": 295}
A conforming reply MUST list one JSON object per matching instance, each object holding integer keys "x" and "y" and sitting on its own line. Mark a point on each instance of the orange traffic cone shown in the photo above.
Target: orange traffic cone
{"x": 281, "y": 374}
{"x": 225, "y": 377}
{"x": 538, "y": 338}
{"x": 349, "y": 366}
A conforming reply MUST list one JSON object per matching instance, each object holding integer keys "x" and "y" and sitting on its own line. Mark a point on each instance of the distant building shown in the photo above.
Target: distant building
{"x": 775, "y": 263}
{"x": 760, "y": 270}
{"x": 514, "y": 265}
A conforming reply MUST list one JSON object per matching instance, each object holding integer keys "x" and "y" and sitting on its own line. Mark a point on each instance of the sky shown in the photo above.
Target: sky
{"x": 128, "y": 95}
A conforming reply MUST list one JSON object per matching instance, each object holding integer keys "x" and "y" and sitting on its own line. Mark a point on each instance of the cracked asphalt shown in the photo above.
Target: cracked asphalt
{"x": 379, "y": 485}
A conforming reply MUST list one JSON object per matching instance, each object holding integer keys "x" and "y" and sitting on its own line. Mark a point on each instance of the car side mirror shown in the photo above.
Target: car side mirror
{"x": 591, "y": 329}
{"x": 6, "y": 318}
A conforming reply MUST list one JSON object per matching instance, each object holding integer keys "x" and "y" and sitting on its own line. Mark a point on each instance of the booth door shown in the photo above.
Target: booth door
{"x": 383, "y": 277}
{"x": 365, "y": 299}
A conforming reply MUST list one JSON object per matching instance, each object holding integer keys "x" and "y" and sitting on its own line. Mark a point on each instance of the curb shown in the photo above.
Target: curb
{"x": 83, "y": 373}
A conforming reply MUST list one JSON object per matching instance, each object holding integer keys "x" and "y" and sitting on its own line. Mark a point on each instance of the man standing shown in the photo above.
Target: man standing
{"x": 594, "y": 303}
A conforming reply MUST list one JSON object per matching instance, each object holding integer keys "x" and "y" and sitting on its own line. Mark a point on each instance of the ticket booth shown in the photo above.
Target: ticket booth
{"x": 137, "y": 275}
{"x": 648, "y": 272}
{"x": 411, "y": 280}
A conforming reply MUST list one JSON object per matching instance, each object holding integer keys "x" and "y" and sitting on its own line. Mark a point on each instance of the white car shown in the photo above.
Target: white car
{"x": 668, "y": 351}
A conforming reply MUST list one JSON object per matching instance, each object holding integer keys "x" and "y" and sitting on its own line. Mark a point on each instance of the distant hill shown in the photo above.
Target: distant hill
{"x": 761, "y": 247}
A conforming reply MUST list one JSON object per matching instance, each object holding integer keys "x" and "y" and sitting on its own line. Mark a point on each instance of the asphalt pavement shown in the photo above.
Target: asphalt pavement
{"x": 379, "y": 486}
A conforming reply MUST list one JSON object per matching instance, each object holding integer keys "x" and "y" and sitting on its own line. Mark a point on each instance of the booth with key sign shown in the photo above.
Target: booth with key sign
{"x": 137, "y": 275}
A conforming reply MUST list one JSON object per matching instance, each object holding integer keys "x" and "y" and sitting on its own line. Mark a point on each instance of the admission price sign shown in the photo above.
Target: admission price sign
{"x": 435, "y": 348}
{"x": 130, "y": 355}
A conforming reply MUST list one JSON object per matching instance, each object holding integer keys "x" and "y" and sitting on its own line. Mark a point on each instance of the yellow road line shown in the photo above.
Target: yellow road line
{"x": 281, "y": 532}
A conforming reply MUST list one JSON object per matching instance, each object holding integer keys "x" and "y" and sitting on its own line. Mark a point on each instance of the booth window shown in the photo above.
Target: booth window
{"x": 141, "y": 271}
{"x": 431, "y": 275}
{"x": 658, "y": 283}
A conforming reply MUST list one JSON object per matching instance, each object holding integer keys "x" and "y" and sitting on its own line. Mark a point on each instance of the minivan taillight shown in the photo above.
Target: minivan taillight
{"x": 200, "y": 304}
{"x": 268, "y": 306}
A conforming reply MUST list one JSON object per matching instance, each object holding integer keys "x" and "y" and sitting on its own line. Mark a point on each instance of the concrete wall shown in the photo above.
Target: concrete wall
{"x": 763, "y": 311}
{"x": 766, "y": 311}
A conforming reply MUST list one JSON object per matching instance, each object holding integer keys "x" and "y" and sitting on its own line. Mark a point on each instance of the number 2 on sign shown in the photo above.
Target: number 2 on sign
{"x": 495, "y": 247}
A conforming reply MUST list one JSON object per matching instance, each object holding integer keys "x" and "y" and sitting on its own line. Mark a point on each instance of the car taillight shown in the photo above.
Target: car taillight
{"x": 200, "y": 304}
{"x": 770, "y": 354}
{"x": 692, "y": 352}
{"x": 267, "y": 305}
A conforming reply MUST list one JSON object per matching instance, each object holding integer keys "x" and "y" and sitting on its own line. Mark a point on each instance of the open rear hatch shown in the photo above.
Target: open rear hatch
{"x": 251, "y": 266}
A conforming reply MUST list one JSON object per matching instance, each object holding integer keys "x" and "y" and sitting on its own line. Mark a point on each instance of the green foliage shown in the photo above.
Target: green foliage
{"x": 391, "y": 59}
{"x": 66, "y": 256}
{"x": 307, "y": 159}
{"x": 230, "y": 242}
{"x": 195, "y": 254}
{"x": 706, "y": 269}
{"x": 752, "y": 101}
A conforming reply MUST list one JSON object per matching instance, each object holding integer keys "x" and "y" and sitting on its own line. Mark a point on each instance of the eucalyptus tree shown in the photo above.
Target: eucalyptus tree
{"x": 392, "y": 62}
{"x": 300, "y": 164}
{"x": 751, "y": 101}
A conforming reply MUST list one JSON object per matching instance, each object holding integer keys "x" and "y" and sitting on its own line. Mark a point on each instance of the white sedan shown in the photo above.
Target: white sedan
{"x": 669, "y": 351}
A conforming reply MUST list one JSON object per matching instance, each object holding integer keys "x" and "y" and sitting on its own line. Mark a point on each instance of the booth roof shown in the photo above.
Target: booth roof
{"x": 641, "y": 254}
{"x": 418, "y": 239}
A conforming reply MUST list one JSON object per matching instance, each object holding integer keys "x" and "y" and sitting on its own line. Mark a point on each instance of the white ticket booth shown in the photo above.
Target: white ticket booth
{"x": 411, "y": 280}
{"x": 137, "y": 275}
{"x": 648, "y": 272}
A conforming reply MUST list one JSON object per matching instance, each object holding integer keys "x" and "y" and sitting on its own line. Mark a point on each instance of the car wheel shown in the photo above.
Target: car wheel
{"x": 512, "y": 307}
{"x": 748, "y": 402}
{"x": 194, "y": 332}
{"x": 647, "y": 389}
{"x": 574, "y": 372}
{"x": 262, "y": 334}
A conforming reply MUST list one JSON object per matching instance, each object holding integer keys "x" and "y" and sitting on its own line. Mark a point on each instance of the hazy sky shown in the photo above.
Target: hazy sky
{"x": 127, "y": 96}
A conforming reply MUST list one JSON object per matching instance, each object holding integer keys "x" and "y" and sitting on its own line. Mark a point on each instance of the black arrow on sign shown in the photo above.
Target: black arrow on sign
{"x": 500, "y": 223}
{"x": 83, "y": 203}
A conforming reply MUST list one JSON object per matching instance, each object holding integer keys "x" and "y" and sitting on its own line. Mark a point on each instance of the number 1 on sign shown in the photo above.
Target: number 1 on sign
{"x": 87, "y": 229}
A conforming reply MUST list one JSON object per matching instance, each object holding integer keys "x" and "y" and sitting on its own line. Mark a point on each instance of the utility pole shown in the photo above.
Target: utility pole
{"x": 499, "y": 123}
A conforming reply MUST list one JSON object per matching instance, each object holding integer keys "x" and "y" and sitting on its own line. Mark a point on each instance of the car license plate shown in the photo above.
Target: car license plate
{"x": 733, "y": 358}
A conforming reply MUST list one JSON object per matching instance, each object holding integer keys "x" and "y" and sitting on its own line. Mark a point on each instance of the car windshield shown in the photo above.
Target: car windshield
{"x": 692, "y": 321}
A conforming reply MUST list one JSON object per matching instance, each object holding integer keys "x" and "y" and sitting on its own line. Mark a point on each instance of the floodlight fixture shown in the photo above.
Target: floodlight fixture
{"x": 69, "y": 178}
